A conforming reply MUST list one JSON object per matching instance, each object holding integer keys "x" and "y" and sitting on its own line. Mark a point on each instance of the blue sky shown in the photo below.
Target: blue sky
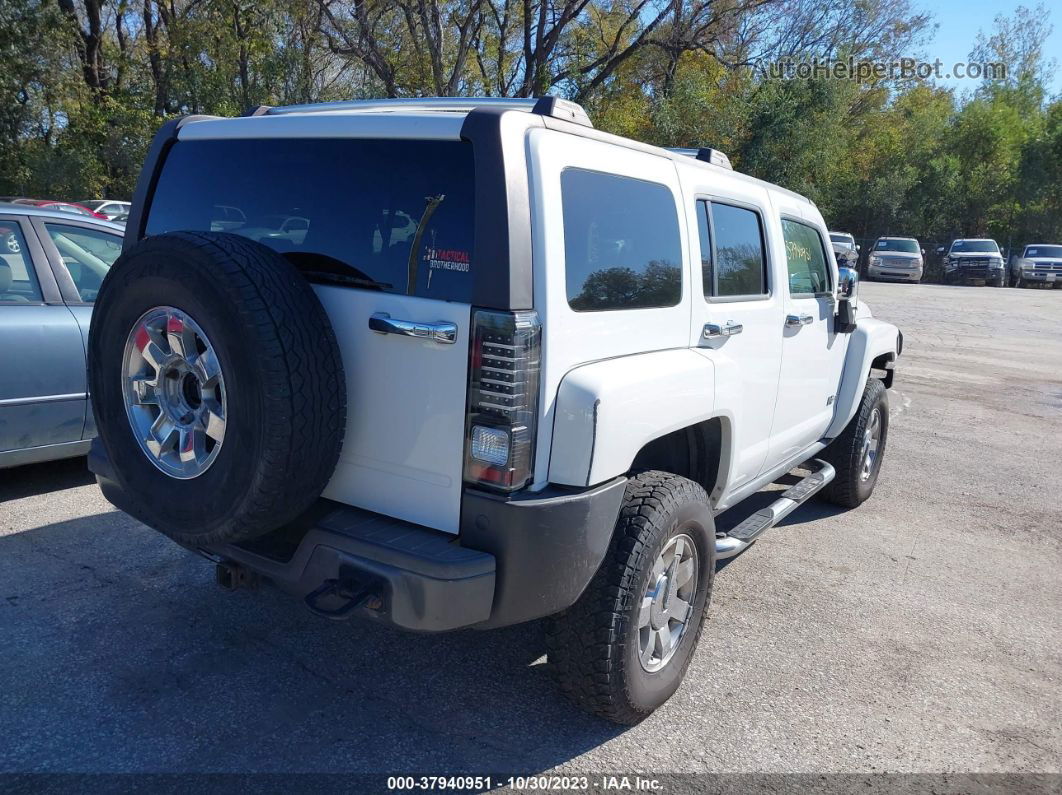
{"x": 959, "y": 21}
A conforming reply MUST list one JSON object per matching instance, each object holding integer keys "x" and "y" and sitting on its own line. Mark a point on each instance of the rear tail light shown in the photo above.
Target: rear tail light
{"x": 503, "y": 399}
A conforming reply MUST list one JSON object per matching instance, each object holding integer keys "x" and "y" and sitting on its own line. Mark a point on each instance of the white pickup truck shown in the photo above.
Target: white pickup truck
{"x": 510, "y": 368}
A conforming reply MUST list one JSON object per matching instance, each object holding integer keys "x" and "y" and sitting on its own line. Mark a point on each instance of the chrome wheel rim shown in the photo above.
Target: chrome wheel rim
{"x": 871, "y": 445}
{"x": 174, "y": 392}
{"x": 667, "y": 604}
{"x": 13, "y": 245}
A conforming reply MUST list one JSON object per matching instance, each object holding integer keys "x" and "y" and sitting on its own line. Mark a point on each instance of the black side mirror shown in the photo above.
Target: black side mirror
{"x": 847, "y": 290}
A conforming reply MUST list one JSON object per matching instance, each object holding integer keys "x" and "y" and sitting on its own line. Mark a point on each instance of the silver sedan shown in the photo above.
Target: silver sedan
{"x": 51, "y": 267}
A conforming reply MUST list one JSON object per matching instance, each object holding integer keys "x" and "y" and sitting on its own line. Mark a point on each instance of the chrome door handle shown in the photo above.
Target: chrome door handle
{"x": 441, "y": 331}
{"x": 796, "y": 321}
{"x": 713, "y": 331}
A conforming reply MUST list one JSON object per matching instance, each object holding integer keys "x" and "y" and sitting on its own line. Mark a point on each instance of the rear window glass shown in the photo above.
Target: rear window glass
{"x": 357, "y": 208}
{"x": 621, "y": 242}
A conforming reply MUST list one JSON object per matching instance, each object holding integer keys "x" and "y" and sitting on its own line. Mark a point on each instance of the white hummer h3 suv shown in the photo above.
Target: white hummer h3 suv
{"x": 500, "y": 366}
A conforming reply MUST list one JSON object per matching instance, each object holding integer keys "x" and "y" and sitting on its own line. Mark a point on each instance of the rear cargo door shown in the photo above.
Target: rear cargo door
{"x": 384, "y": 231}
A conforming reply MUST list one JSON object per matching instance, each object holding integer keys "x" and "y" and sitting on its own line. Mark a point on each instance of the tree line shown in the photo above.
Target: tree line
{"x": 87, "y": 82}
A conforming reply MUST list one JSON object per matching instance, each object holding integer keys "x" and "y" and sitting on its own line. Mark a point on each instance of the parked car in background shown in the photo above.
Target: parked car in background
{"x": 63, "y": 207}
{"x": 51, "y": 266}
{"x": 845, "y": 249}
{"x": 1039, "y": 263}
{"x": 974, "y": 260}
{"x": 897, "y": 259}
{"x": 110, "y": 208}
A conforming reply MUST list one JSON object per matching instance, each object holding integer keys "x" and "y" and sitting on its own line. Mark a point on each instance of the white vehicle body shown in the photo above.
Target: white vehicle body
{"x": 611, "y": 381}
{"x": 524, "y": 362}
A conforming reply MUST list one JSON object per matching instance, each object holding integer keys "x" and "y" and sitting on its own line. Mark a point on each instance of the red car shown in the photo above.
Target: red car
{"x": 64, "y": 207}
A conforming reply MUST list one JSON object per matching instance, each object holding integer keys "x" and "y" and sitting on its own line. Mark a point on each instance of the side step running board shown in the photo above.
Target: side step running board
{"x": 792, "y": 498}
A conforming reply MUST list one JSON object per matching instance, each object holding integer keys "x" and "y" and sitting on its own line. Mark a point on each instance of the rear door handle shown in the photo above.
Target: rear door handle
{"x": 796, "y": 321}
{"x": 713, "y": 331}
{"x": 441, "y": 331}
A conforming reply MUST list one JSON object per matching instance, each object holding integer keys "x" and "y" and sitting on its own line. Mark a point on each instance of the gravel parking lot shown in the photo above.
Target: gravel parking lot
{"x": 921, "y": 632}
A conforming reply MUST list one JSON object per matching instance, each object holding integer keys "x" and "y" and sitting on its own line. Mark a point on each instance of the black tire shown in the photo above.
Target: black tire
{"x": 593, "y": 647}
{"x": 283, "y": 380}
{"x": 846, "y": 453}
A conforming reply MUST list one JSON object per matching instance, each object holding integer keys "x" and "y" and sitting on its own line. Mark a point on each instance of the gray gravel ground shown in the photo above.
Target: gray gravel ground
{"x": 921, "y": 632}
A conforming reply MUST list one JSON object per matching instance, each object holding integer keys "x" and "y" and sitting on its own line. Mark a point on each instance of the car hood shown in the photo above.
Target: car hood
{"x": 975, "y": 254}
{"x": 1052, "y": 260}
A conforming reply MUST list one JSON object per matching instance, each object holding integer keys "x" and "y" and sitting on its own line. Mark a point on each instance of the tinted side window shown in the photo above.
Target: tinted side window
{"x": 740, "y": 262}
{"x": 621, "y": 242}
{"x": 87, "y": 254}
{"x": 359, "y": 208}
{"x": 18, "y": 281}
{"x": 805, "y": 259}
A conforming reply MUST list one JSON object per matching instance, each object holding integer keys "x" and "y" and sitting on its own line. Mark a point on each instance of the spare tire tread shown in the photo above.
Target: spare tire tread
{"x": 297, "y": 386}
{"x": 303, "y": 389}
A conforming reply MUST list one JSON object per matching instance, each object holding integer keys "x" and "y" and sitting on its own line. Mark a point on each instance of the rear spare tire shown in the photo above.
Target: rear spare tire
{"x": 217, "y": 386}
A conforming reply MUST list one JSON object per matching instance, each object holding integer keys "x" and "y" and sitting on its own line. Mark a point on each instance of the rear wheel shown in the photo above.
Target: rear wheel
{"x": 623, "y": 649}
{"x": 856, "y": 454}
{"x": 217, "y": 386}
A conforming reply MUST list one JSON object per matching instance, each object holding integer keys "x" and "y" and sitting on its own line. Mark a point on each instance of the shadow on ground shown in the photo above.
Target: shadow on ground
{"x": 121, "y": 655}
{"x": 30, "y": 481}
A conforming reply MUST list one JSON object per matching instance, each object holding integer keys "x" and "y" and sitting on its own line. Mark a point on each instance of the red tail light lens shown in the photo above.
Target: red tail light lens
{"x": 503, "y": 399}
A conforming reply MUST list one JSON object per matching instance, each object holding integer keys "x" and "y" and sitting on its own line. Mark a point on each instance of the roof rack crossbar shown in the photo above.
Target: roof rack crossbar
{"x": 705, "y": 154}
{"x": 543, "y": 106}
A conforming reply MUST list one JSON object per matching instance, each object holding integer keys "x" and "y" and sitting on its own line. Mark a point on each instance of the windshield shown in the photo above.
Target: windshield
{"x": 847, "y": 240}
{"x": 976, "y": 246}
{"x": 1054, "y": 252}
{"x": 906, "y": 246}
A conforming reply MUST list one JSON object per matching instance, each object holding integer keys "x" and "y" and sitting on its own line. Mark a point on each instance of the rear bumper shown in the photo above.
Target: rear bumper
{"x": 515, "y": 559}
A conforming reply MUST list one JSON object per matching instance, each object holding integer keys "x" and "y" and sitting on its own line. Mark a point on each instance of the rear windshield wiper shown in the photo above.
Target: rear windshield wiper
{"x": 339, "y": 278}
{"x": 323, "y": 268}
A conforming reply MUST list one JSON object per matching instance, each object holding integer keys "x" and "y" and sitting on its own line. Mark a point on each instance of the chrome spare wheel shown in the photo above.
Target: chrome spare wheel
{"x": 871, "y": 444}
{"x": 667, "y": 604}
{"x": 174, "y": 392}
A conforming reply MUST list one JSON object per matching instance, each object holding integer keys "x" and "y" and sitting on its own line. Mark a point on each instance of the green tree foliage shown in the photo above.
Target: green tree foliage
{"x": 86, "y": 82}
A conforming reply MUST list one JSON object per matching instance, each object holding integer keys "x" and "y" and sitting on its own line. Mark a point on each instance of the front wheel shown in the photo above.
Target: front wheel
{"x": 623, "y": 649}
{"x": 857, "y": 453}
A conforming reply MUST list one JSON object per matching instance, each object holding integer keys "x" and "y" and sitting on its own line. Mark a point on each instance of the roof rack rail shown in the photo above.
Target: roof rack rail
{"x": 543, "y": 106}
{"x": 705, "y": 154}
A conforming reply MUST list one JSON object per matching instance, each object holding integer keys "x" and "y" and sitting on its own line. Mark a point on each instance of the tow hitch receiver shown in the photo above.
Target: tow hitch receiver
{"x": 232, "y": 576}
{"x": 740, "y": 537}
{"x": 349, "y": 594}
